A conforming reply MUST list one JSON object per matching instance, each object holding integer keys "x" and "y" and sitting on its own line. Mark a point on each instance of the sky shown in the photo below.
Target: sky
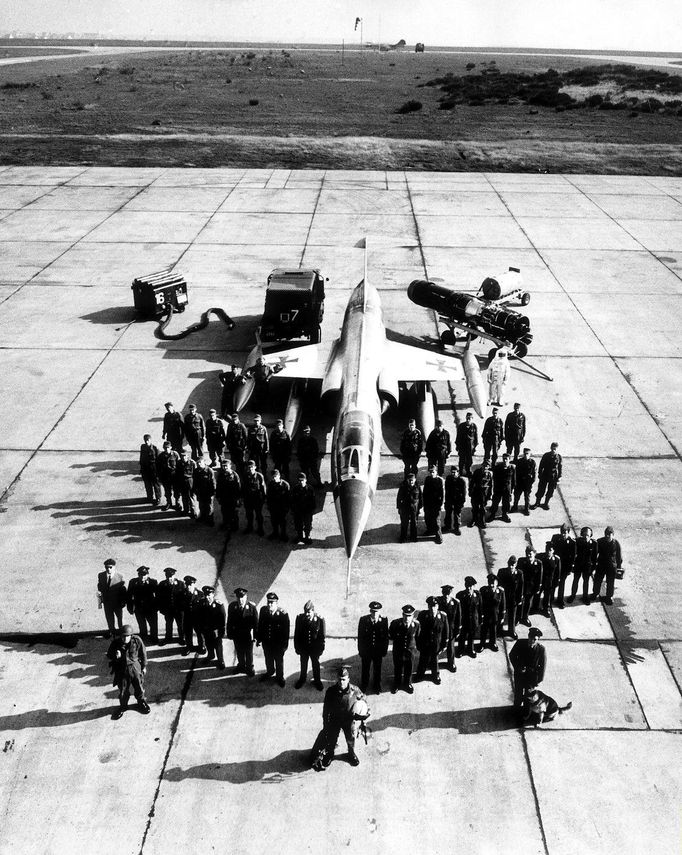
{"x": 586, "y": 24}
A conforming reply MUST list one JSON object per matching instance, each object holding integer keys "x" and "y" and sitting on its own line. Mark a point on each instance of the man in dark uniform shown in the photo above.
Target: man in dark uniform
{"x": 280, "y": 449}
{"x": 549, "y": 475}
{"x": 167, "y": 466}
{"x": 338, "y": 715}
{"x": 586, "y": 552}
{"x": 192, "y": 600}
{"x": 215, "y": 437}
{"x": 111, "y": 592}
{"x": 433, "y": 494}
{"x": 253, "y": 495}
{"x": 455, "y": 497}
{"x": 480, "y": 491}
{"x": 303, "y": 508}
{"x": 212, "y": 623}
{"x": 228, "y": 493}
{"x": 528, "y": 659}
{"x": 525, "y": 478}
{"x": 195, "y": 431}
{"x": 511, "y": 581}
{"x": 564, "y": 548}
{"x": 204, "y": 489}
{"x": 470, "y": 604}
{"x": 237, "y": 439}
{"x": 404, "y": 633}
{"x": 493, "y": 607}
{"x": 128, "y": 662}
{"x": 242, "y": 628}
{"x": 273, "y": 634}
{"x": 409, "y": 502}
{"x": 309, "y": 643}
{"x": 278, "y": 499}
{"x": 551, "y": 576}
{"x": 531, "y": 569}
{"x": 169, "y": 598}
{"x": 433, "y": 637}
{"x": 504, "y": 482}
{"x": 141, "y": 602}
{"x": 438, "y": 447}
{"x": 308, "y": 453}
{"x": 185, "y": 481}
{"x": 149, "y": 455}
{"x": 492, "y": 436}
{"x": 514, "y": 430}
{"x": 173, "y": 427}
{"x": 258, "y": 444}
{"x": 372, "y": 644}
{"x": 609, "y": 562}
{"x": 449, "y": 605}
{"x": 466, "y": 443}
{"x": 230, "y": 381}
{"x": 411, "y": 447}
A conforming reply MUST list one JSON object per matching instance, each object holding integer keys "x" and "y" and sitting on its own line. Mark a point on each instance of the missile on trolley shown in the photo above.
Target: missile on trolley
{"x": 474, "y": 315}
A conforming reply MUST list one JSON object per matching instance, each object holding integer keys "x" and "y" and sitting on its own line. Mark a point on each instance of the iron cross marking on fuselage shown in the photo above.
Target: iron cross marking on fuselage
{"x": 439, "y": 365}
{"x": 283, "y": 361}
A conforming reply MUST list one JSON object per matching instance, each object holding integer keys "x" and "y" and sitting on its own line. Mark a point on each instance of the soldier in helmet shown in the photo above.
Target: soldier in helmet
{"x": 128, "y": 662}
{"x": 342, "y": 711}
{"x": 273, "y": 634}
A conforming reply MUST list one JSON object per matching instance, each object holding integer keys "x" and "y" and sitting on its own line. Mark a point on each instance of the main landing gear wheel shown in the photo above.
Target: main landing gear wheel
{"x": 448, "y": 337}
{"x": 525, "y": 298}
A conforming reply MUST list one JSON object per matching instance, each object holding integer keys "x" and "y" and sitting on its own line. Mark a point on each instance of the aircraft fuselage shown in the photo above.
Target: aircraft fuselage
{"x": 356, "y": 444}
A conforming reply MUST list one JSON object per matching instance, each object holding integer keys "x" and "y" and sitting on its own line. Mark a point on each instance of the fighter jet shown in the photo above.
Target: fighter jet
{"x": 363, "y": 368}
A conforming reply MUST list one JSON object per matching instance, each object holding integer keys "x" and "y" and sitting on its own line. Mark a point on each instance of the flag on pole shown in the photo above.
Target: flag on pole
{"x": 357, "y": 21}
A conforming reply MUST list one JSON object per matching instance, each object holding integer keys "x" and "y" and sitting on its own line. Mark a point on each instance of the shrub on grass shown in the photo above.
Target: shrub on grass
{"x": 409, "y": 107}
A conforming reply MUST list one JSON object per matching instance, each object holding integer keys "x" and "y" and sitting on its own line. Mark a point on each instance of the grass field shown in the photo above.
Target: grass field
{"x": 289, "y": 108}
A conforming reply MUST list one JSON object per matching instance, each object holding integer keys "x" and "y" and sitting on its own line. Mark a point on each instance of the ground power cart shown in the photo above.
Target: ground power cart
{"x": 294, "y": 306}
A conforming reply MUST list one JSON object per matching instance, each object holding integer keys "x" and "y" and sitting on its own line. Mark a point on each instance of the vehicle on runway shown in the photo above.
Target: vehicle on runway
{"x": 361, "y": 370}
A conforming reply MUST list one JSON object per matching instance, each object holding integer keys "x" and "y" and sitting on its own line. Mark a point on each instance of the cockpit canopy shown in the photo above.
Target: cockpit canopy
{"x": 354, "y": 444}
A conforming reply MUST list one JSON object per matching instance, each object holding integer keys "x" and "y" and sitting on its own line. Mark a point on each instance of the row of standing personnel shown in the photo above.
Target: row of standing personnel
{"x": 507, "y": 484}
{"x": 438, "y": 444}
{"x": 450, "y": 625}
{"x": 230, "y": 436}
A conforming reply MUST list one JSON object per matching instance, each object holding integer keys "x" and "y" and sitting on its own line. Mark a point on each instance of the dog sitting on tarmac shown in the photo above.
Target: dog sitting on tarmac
{"x": 541, "y": 708}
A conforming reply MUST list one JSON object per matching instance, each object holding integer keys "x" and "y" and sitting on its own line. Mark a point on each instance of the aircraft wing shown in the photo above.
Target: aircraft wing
{"x": 411, "y": 363}
{"x": 309, "y": 361}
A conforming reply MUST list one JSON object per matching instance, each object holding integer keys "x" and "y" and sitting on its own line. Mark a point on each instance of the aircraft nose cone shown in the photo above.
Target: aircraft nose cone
{"x": 352, "y": 507}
